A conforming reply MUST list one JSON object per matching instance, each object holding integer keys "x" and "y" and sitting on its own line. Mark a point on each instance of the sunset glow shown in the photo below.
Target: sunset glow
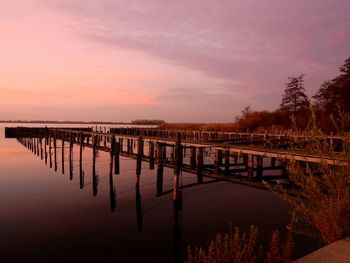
{"x": 181, "y": 61}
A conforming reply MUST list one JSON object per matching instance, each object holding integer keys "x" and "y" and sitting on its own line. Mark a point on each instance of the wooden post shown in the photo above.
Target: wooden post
{"x": 131, "y": 146}
{"x": 227, "y": 162}
{"x": 45, "y": 143}
{"x": 259, "y": 167}
{"x": 71, "y": 157}
{"x": 112, "y": 152}
{"x": 128, "y": 150}
{"x": 217, "y": 161}
{"x": 250, "y": 164}
{"x": 38, "y": 146}
{"x": 151, "y": 155}
{"x": 55, "y": 150}
{"x": 116, "y": 157}
{"x": 160, "y": 167}
{"x": 177, "y": 192}
{"x": 50, "y": 155}
{"x": 273, "y": 162}
{"x": 34, "y": 146}
{"x": 199, "y": 165}
{"x": 81, "y": 173}
{"x": 94, "y": 176}
{"x": 41, "y": 148}
{"x": 139, "y": 158}
{"x": 62, "y": 153}
{"x": 193, "y": 157}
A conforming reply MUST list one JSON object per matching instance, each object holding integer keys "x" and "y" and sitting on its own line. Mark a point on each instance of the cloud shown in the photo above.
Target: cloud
{"x": 244, "y": 41}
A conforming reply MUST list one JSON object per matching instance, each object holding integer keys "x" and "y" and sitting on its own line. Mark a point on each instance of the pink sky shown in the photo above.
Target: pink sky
{"x": 181, "y": 61}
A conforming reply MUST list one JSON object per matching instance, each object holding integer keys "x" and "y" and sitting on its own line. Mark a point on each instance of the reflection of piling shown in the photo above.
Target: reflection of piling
{"x": 139, "y": 216}
{"x": 112, "y": 192}
{"x": 160, "y": 167}
{"x": 177, "y": 193}
{"x": 177, "y": 229}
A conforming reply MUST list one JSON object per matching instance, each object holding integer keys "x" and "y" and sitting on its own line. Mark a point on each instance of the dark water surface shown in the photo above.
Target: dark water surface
{"x": 46, "y": 217}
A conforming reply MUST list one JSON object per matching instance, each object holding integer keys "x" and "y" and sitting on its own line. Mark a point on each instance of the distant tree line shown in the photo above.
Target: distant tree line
{"x": 332, "y": 98}
{"x": 147, "y": 122}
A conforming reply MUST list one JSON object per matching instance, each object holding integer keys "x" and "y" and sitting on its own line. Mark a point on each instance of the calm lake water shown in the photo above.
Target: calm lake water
{"x": 46, "y": 217}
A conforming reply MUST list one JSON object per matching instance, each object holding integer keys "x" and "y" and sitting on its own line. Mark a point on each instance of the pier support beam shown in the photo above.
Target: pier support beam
{"x": 199, "y": 165}
{"x": 227, "y": 162}
{"x": 177, "y": 192}
{"x": 151, "y": 155}
{"x": 160, "y": 167}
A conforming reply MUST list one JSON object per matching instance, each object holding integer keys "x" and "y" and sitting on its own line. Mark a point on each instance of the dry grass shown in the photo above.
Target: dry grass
{"x": 324, "y": 209}
{"x": 236, "y": 247}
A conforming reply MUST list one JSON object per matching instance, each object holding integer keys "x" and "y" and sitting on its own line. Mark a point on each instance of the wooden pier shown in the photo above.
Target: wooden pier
{"x": 243, "y": 158}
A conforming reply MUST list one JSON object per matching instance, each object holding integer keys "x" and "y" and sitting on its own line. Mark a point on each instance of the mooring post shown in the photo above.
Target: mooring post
{"x": 217, "y": 161}
{"x": 116, "y": 157}
{"x": 227, "y": 162}
{"x": 131, "y": 146}
{"x": 45, "y": 149}
{"x": 193, "y": 157}
{"x": 55, "y": 150}
{"x": 151, "y": 155}
{"x": 41, "y": 149}
{"x": 259, "y": 167}
{"x": 81, "y": 174}
{"x": 94, "y": 176}
{"x": 112, "y": 155}
{"x": 50, "y": 154}
{"x": 71, "y": 157}
{"x": 62, "y": 134}
{"x": 199, "y": 165}
{"x": 139, "y": 158}
{"x": 34, "y": 146}
{"x": 121, "y": 144}
{"x": 128, "y": 150}
{"x": 177, "y": 192}
{"x": 160, "y": 167}
{"x": 38, "y": 146}
{"x": 273, "y": 161}
{"x": 250, "y": 164}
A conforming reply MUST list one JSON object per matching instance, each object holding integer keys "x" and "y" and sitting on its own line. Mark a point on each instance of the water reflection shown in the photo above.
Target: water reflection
{"x": 139, "y": 214}
{"x": 48, "y": 152}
